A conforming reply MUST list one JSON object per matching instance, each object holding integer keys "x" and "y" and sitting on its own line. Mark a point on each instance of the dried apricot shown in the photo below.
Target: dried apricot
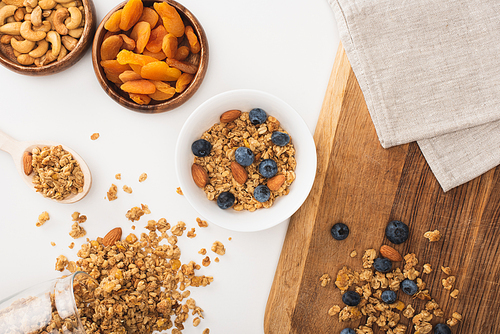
{"x": 183, "y": 66}
{"x": 140, "y": 98}
{"x": 131, "y": 13}
{"x": 158, "y": 55}
{"x": 162, "y": 86}
{"x": 129, "y": 57}
{"x": 140, "y": 34}
{"x": 150, "y": 16}
{"x": 128, "y": 43}
{"x": 162, "y": 96}
{"x": 169, "y": 45}
{"x": 156, "y": 39}
{"x": 136, "y": 68}
{"x": 159, "y": 70}
{"x": 113, "y": 23}
{"x": 193, "y": 40}
{"x": 113, "y": 77}
{"x": 113, "y": 66}
{"x": 139, "y": 87}
{"x": 110, "y": 47}
{"x": 171, "y": 18}
{"x": 182, "y": 53}
{"x": 129, "y": 76}
{"x": 183, "y": 81}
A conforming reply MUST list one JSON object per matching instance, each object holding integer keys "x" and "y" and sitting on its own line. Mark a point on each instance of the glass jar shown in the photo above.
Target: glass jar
{"x": 46, "y": 308}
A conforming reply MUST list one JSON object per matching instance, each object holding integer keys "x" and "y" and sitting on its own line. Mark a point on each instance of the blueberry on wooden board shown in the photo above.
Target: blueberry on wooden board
{"x": 389, "y": 297}
{"x": 397, "y": 232}
{"x": 442, "y": 329}
{"x": 382, "y": 264}
{"x": 351, "y": 298}
{"x": 340, "y": 231}
{"x": 348, "y": 331}
{"x": 409, "y": 287}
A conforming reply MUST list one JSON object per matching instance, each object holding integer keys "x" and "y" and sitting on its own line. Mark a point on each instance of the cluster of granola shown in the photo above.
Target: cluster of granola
{"x": 57, "y": 173}
{"x": 370, "y": 284}
{"x": 225, "y": 139}
{"x": 141, "y": 284}
{"x": 77, "y": 231}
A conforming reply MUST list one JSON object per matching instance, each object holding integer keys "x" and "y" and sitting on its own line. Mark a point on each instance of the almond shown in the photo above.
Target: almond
{"x": 112, "y": 237}
{"x": 275, "y": 182}
{"x": 27, "y": 159}
{"x": 230, "y": 116}
{"x": 200, "y": 176}
{"x": 239, "y": 172}
{"x": 390, "y": 253}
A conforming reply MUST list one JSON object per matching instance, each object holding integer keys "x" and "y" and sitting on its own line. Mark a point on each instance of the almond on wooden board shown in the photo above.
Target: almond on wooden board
{"x": 230, "y": 116}
{"x": 112, "y": 237}
{"x": 239, "y": 172}
{"x": 200, "y": 176}
{"x": 27, "y": 166}
{"x": 275, "y": 182}
{"x": 390, "y": 253}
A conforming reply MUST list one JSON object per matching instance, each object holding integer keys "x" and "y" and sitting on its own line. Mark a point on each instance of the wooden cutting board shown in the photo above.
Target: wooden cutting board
{"x": 365, "y": 186}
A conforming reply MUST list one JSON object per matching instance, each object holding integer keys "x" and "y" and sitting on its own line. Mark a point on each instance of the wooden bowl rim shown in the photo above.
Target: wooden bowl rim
{"x": 72, "y": 58}
{"x": 168, "y": 104}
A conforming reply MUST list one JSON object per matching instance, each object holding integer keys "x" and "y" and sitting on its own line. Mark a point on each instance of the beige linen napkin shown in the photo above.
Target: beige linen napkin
{"x": 430, "y": 72}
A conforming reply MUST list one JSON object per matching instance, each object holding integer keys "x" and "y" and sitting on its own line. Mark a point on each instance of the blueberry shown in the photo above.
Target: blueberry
{"x": 409, "y": 287}
{"x": 348, "y": 331}
{"x": 382, "y": 264}
{"x": 397, "y": 232}
{"x": 225, "y": 200}
{"x": 442, "y": 329}
{"x": 268, "y": 168}
{"x": 351, "y": 298}
{"x": 244, "y": 156}
{"x": 201, "y": 148}
{"x": 257, "y": 116}
{"x": 261, "y": 193}
{"x": 339, "y": 231}
{"x": 389, "y": 297}
{"x": 280, "y": 138}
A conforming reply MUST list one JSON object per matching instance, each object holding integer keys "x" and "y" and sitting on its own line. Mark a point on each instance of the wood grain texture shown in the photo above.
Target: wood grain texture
{"x": 365, "y": 186}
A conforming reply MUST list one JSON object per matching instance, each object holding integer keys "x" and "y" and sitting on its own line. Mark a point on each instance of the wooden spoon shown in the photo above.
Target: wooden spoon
{"x": 17, "y": 148}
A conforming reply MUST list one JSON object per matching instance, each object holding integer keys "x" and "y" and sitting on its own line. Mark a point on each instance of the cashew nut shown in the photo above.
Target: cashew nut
{"x": 47, "y": 58}
{"x": 17, "y": 3}
{"x": 55, "y": 40}
{"x": 22, "y": 46}
{"x": 47, "y": 4}
{"x": 62, "y": 54}
{"x": 2, "y": 4}
{"x": 13, "y": 28}
{"x": 59, "y": 17}
{"x": 27, "y": 17}
{"x": 75, "y": 18}
{"x": 36, "y": 16}
{"x": 30, "y": 34}
{"x": 63, "y": 1}
{"x": 69, "y": 42}
{"x": 40, "y": 50}
{"x": 45, "y": 27}
{"x": 19, "y": 14}
{"x": 5, "y": 39}
{"x": 76, "y": 33}
{"x": 70, "y": 4}
{"x": 7, "y": 11}
{"x": 30, "y": 3}
{"x": 46, "y": 12}
{"x": 25, "y": 59}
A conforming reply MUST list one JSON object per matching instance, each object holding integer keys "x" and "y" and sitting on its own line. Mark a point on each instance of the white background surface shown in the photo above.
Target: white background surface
{"x": 284, "y": 47}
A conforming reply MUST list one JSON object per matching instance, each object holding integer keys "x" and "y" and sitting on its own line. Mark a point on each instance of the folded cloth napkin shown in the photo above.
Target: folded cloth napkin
{"x": 430, "y": 72}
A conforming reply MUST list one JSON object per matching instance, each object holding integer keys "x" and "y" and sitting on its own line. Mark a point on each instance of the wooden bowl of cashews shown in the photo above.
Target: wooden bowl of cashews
{"x": 137, "y": 58}
{"x": 42, "y": 37}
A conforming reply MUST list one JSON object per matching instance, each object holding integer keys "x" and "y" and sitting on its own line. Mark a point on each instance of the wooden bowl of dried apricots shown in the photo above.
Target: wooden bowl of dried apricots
{"x": 150, "y": 56}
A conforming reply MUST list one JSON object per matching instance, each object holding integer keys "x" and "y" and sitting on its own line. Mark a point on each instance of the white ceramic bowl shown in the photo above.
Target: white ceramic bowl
{"x": 208, "y": 114}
